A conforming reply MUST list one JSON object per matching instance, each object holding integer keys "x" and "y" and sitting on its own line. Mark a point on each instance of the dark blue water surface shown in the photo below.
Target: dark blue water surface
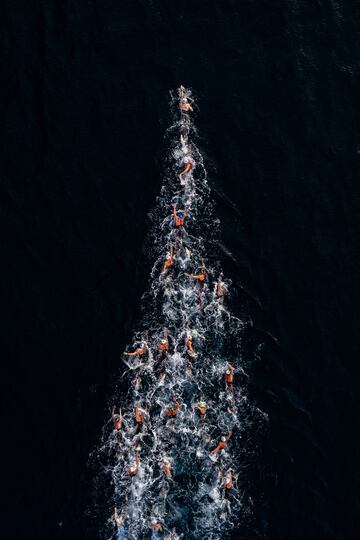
{"x": 83, "y": 112}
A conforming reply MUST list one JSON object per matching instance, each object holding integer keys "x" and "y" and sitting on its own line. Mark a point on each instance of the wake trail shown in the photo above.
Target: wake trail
{"x": 173, "y": 446}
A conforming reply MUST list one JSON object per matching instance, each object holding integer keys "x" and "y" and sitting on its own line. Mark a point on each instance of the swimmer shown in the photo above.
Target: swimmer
{"x": 119, "y": 520}
{"x": 140, "y": 351}
{"x": 201, "y": 407}
{"x": 179, "y": 216}
{"x": 229, "y": 374}
{"x": 189, "y": 345}
{"x": 222, "y": 444}
{"x": 184, "y": 104}
{"x": 134, "y": 469}
{"x": 169, "y": 261}
{"x": 139, "y": 415}
{"x": 228, "y": 483}
{"x": 164, "y": 345}
{"x": 166, "y": 469}
{"x": 187, "y": 169}
{"x": 171, "y": 412}
{"x": 117, "y": 419}
{"x": 200, "y": 277}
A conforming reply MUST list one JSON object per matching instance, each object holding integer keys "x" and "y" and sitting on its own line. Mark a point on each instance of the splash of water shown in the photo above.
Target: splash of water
{"x": 174, "y": 448}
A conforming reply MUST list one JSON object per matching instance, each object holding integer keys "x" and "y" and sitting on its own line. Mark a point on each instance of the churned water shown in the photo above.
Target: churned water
{"x": 176, "y": 450}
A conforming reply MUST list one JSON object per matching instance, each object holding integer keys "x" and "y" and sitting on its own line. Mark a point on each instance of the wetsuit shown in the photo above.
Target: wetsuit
{"x": 155, "y": 535}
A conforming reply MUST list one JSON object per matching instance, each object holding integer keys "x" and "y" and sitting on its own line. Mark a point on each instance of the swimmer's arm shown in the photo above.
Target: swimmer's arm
{"x": 191, "y": 275}
{"x": 116, "y": 516}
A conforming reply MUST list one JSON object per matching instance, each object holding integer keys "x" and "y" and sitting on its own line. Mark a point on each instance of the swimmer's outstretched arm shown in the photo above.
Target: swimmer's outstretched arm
{"x": 216, "y": 449}
{"x": 193, "y": 276}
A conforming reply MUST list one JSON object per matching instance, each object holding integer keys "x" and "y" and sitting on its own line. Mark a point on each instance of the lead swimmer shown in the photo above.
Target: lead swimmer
{"x": 184, "y": 105}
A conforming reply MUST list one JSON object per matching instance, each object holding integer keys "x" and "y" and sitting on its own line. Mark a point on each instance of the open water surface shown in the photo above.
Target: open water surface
{"x": 85, "y": 94}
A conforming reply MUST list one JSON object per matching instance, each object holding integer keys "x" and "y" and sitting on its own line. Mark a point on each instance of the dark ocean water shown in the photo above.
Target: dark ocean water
{"x": 84, "y": 109}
